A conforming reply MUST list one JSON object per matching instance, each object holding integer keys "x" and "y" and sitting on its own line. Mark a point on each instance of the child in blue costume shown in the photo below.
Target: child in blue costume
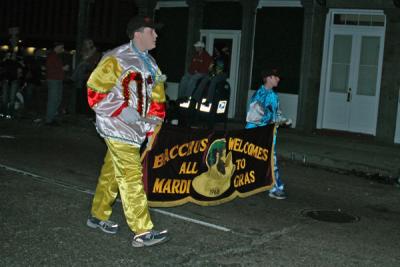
{"x": 264, "y": 110}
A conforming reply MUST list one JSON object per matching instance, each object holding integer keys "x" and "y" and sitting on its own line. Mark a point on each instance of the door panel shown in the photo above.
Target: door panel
{"x": 397, "y": 133}
{"x": 368, "y": 67}
{"x": 341, "y": 63}
{"x": 364, "y": 104}
{"x": 336, "y": 111}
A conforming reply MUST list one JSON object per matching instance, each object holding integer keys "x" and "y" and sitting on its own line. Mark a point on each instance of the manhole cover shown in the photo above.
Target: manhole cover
{"x": 335, "y": 216}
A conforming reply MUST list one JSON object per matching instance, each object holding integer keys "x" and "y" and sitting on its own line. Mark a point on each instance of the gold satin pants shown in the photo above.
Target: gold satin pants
{"x": 122, "y": 171}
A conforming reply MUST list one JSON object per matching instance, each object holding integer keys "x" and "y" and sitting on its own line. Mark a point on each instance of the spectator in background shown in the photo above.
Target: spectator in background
{"x": 199, "y": 67}
{"x": 14, "y": 40}
{"x": 55, "y": 76}
{"x": 2, "y": 81}
{"x": 11, "y": 83}
{"x": 89, "y": 59}
{"x": 33, "y": 79}
{"x": 226, "y": 56}
{"x": 209, "y": 82}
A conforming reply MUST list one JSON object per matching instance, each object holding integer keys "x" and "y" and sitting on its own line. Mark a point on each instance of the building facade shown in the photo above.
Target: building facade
{"x": 340, "y": 60}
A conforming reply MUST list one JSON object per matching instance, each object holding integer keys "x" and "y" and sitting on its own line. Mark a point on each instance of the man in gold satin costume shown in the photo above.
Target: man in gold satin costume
{"x": 120, "y": 91}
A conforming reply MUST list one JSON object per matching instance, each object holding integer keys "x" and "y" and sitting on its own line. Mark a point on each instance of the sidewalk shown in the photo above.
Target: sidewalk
{"x": 347, "y": 152}
{"x": 341, "y": 151}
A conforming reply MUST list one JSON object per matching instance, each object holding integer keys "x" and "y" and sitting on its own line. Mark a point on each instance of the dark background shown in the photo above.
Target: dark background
{"x": 42, "y": 22}
{"x": 171, "y": 44}
{"x": 277, "y": 42}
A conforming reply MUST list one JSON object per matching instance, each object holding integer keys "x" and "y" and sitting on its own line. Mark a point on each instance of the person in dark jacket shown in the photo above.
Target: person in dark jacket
{"x": 33, "y": 80}
{"x": 13, "y": 72}
{"x": 55, "y": 76}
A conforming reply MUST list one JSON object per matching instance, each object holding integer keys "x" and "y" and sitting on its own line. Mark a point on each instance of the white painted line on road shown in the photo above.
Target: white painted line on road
{"x": 7, "y": 136}
{"x": 18, "y": 170}
{"x": 89, "y": 192}
{"x": 211, "y": 225}
{"x": 47, "y": 180}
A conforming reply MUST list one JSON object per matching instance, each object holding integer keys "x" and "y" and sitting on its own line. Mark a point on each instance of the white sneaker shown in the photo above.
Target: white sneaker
{"x": 150, "y": 238}
{"x": 108, "y": 227}
{"x": 277, "y": 194}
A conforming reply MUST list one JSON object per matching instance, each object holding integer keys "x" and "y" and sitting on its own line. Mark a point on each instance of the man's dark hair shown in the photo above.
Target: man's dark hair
{"x": 138, "y": 23}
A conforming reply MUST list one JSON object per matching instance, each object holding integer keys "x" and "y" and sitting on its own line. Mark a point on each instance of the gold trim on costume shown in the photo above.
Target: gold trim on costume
{"x": 208, "y": 202}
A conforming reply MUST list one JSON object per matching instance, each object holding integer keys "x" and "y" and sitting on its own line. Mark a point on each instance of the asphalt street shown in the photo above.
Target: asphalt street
{"x": 48, "y": 175}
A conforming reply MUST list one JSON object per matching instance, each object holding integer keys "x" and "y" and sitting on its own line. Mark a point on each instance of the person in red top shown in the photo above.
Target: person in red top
{"x": 55, "y": 76}
{"x": 199, "y": 67}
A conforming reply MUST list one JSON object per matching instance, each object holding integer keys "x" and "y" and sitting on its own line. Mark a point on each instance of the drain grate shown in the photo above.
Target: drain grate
{"x": 336, "y": 216}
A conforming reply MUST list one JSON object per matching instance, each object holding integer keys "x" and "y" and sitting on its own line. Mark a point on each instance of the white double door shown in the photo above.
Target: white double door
{"x": 229, "y": 42}
{"x": 353, "y": 78}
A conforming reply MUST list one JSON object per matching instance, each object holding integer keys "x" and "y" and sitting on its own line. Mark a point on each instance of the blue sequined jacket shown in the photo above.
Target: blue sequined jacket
{"x": 263, "y": 108}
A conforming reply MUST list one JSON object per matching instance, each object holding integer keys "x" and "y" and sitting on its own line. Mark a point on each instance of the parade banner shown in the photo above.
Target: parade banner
{"x": 207, "y": 167}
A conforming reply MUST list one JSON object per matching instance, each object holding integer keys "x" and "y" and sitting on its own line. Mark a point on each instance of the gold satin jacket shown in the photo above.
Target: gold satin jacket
{"x": 122, "y": 79}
